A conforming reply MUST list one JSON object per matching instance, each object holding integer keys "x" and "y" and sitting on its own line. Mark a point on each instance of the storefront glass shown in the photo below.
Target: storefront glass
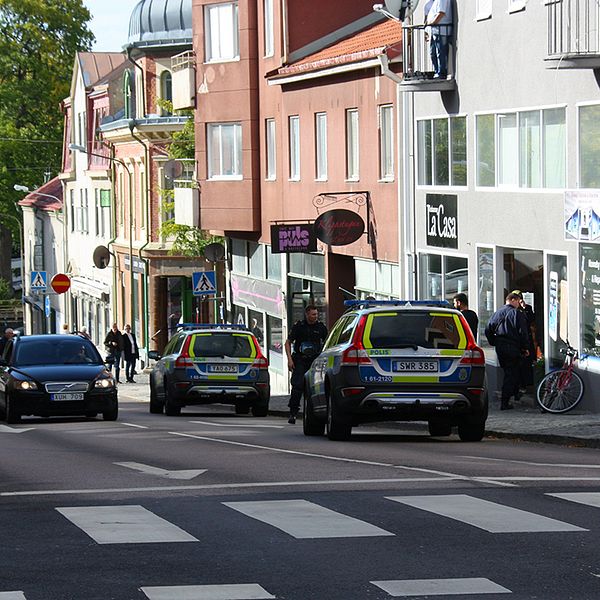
{"x": 443, "y": 276}
{"x": 557, "y": 293}
{"x": 275, "y": 343}
{"x": 485, "y": 280}
{"x": 590, "y": 299}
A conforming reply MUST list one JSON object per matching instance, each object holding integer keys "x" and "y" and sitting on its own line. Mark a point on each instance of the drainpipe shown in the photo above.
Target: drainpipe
{"x": 132, "y": 124}
{"x": 406, "y": 190}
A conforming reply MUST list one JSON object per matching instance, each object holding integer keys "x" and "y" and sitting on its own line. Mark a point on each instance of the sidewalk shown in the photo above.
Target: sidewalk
{"x": 524, "y": 422}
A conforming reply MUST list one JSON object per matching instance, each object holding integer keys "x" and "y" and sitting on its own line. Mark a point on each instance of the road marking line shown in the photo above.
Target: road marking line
{"x": 12, "y": 596}
{"x": 587, "y": 498}
{"x": 489, "y": 516}
{"x": 6, "y": 429}
{"x": 129, "y": 524}
{"x": 305, "y": 520}
{"x": 134, "y": 425}
{"x": 149, "y": 470}
{"x": 238, "y": 425}
{"x": 440, "y": 587}
{"x": 242, "y": 591}
{"x": 535, "y": 464}
{"x": 225, "y": 486}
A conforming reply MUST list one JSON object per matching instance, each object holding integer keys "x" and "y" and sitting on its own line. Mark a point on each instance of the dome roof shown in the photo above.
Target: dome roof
{"x": 160, "y": 23}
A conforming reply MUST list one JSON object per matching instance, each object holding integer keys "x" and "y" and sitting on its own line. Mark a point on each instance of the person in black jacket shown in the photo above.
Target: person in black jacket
{"x": 113, "y": 343}
{"x": 507, "y": 330}
{"x": 131, "y": 353}
{"x": 307, "y": 337}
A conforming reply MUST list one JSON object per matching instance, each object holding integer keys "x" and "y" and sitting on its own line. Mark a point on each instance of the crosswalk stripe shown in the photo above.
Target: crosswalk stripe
{"x": 305, "y": 520}
{"x": 486, "y": 515}
{"x": 587, "y": 498}
{"x": 12, "y": 596}
{"x": 243, "y": 591}
{"x": 440, "y": 587}
{"x": 127, "y": 524}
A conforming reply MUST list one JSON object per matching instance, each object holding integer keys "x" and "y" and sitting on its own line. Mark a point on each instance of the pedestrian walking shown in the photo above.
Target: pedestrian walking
{"x": 9, "y": 334}
{"x": 307, "y": 337}
{"x": 507, "y": 332}
{"x": 461, "y": 302}
{"x": 526, "y": 370}
{"x": 131, "y": 353}
{"x": 113, "y": 342}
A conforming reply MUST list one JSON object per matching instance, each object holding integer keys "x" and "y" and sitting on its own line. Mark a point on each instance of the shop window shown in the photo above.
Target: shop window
{"x": 443, "y": 276}
{"x": 485, "y": 286}
{"x": 257, "y": 260}
{"x": 275, "y": 343}
{"x": 557, "y": 294}
{"x": 238, "y": 254}
{"x": 273, "y": 265}
{"x": 590, "y": 299}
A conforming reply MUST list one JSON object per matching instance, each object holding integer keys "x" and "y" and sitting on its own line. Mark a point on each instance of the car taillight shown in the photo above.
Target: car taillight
{"x": 184, "y": 360}
{"x": 261, "y": 361}
{"x": 356, "y": 354}
{"x": 473, "y": 356}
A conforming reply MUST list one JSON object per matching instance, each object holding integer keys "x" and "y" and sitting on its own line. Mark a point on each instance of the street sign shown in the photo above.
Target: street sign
{"x": 204, "y": 283}
{"x": 39, "y": 281}
{"x": 47, "y": 306}
{"x": 60, "y": 283}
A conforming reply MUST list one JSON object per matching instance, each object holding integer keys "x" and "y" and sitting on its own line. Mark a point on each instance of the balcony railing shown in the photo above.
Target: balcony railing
{"x": 574, "y": 32}
{"x": 417, "y": 65}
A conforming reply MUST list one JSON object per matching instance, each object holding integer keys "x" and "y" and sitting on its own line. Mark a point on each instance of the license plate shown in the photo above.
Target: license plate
{"x": 415, "y": 366}
{"x": 71, "y": 396}
{"x": 222, "y": 369}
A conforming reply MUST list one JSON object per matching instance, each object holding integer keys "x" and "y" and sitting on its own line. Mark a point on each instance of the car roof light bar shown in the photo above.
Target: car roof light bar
{"x": 364, "y": 303}
{"x": 210, "y": 326}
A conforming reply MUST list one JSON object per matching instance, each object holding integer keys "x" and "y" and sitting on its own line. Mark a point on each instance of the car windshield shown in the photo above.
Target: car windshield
{"x": 56, "y": 352}
{"x": 234, "y": 345}
{"x": 414, "y": 329}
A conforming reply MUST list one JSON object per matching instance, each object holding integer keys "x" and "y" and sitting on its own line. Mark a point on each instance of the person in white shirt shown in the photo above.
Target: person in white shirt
{"x": 130, "y": 352}
{"x": 438, "y": 20}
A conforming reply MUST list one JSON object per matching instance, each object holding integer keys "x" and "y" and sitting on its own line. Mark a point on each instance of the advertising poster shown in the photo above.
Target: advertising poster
{"x": 582, "y": 215}
{"x": 553, "y": 305}
{"x": 590, "y": 295}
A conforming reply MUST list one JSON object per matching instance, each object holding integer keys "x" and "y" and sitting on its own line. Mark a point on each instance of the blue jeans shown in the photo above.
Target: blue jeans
{"x": 438, "y": 49}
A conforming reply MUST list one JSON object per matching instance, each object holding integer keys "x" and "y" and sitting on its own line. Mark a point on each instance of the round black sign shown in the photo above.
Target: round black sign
{"x": 339, "y": 227}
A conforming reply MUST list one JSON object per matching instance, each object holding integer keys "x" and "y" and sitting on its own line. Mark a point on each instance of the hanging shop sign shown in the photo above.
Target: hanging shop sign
{"x": 288, "y": 238}
{"x": 339, "y": 227}
{"x": 441, "y": 218}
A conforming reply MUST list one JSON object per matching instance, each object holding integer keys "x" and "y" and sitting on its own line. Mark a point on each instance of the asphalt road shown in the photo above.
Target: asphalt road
{"x": 214, "y": 506}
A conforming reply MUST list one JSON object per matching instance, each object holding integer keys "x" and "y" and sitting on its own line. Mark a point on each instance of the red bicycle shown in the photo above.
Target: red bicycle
{"x": 561, "y": 390}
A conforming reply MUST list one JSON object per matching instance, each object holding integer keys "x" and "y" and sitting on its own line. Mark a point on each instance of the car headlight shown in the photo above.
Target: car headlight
{"x": 25, "y": 385}
{"x": 104, "y": 383}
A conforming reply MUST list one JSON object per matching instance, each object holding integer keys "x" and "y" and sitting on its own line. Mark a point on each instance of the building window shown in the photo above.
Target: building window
{"x": 442, "y": 151}
{"x": 589, "y": 150}
{"x": 221, "y": 32}
{"x": 294, "y": 143}
{"x": 386, "y": 142}
{"x": 273, "y": 265}
{"x": 73, "y": 210}
{"x": 483, "y": 9}
{"x": 269, "y": 39}
{"x": 443, "y": 276}
{"x": 128, "y": 95}
{"x": 271, "y": 173}
{"x": 166, "y": 91}
{"x": 524, "y": 149}
{"x": 516, "y": 5}
{"x": 352, "y": 153}
{"x": 485, "y": 300}
{"x": 224, "y": 151}
{"x": 321, "y": 146}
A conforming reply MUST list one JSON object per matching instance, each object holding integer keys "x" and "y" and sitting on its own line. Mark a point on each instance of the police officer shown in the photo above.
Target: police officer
{"x": 308, "y": 337}
{"x": 507, "y": 330}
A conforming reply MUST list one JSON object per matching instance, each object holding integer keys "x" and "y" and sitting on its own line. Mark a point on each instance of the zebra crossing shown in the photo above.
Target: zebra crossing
{"x": 303, "y": 519}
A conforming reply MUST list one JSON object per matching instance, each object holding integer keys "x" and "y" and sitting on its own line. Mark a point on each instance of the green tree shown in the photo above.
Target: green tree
{"x": 38, "y": 43}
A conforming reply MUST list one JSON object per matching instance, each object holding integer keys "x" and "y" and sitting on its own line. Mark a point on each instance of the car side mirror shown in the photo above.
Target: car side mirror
{"x": 154, "y": 354}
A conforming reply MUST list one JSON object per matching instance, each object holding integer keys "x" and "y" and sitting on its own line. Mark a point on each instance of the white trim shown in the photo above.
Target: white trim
{"x": 285, "y": 79}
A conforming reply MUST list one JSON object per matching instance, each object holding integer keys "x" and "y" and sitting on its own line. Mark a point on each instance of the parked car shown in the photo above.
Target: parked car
{"x": 51, "y": 375}
{"x": 205, "y": 364}
{"x": 398, "y": 361}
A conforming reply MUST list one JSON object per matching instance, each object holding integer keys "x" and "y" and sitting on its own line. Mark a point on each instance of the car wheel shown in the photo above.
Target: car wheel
{"x": 171, "y": 409}
{"x": 112, "y": 412}
{"x": 156, "y": 407}
{"x": 242, "y": 409}
{"x": 11, "y": 413}
{"x": 337, "y": 428}
{"x": 261, "y": 408}
{"x": 439, "y": 428}
{"x": 471, "y": 429}
{"x": 310, "y": 424}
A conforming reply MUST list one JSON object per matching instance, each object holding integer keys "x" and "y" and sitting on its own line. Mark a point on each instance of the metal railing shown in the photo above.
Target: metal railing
{"x": 573, "y": 28}
{"x": 416, "y": 55}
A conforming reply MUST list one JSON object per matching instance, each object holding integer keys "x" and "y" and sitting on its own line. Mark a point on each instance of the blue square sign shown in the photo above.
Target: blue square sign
{"x": 204, "y": 283}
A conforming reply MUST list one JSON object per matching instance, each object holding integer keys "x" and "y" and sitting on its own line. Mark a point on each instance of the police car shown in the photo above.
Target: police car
{"x": 213, "y": 363}
{"x": 398, "y": 361}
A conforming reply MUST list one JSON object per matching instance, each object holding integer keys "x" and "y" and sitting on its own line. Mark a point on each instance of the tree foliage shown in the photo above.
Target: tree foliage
{"x": 38, "y": 43}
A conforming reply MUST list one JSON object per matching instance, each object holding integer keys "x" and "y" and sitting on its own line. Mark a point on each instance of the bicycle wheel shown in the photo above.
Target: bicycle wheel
{"x": 559, "y": 391}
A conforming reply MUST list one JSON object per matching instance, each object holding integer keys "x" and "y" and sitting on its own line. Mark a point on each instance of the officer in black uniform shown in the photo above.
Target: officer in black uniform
{"x": 308, "y": 337}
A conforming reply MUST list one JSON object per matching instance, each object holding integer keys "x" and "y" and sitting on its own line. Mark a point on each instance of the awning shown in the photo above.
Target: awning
{"x": 34, "y": 302}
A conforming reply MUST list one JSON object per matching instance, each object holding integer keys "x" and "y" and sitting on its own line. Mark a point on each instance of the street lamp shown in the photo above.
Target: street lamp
{"x": 83, "y": 149}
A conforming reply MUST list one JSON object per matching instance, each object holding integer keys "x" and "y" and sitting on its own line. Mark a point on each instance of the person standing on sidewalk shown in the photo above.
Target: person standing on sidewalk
{"x": 114, "y": 346}
{"x": 507, "y": 330}
{"x": 461, "y": 302}
{"x": 307, "y": 337}
{"x": 131, "y": 353}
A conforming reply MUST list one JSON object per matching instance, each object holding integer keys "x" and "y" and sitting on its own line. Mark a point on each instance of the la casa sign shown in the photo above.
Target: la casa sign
{"x": 441, "y": 220}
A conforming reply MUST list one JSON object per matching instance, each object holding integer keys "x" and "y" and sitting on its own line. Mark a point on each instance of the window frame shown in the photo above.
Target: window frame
{"x": 236, "y": 142}
{"x": 269, "y": 29}
{"x": 220, "y": 55}
{"x": 294, "y": 165}
{"x": 352, "y": 129}
{"x": 321, "y": 163}
{"x": 386, "y": 143}
{"x": 270, "y": 150}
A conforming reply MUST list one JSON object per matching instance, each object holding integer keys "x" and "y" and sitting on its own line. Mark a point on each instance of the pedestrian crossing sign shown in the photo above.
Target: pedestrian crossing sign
{"x": 204, "y": 283}
{"x": 39, "y": 281}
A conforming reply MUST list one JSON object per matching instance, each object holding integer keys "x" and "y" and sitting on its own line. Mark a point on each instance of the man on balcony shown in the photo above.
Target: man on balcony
{"x": 439, "y": 21}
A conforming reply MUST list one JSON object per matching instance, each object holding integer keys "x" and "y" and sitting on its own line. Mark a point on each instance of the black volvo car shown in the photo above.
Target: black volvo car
{"x": 52, "y": 375}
